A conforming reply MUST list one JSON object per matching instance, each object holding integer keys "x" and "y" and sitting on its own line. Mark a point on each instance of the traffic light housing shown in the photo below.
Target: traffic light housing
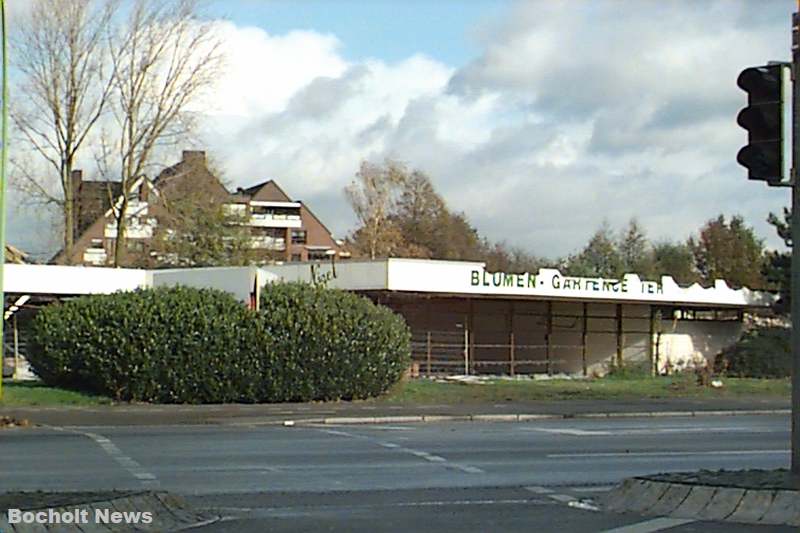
{"x": 767, "y": 122}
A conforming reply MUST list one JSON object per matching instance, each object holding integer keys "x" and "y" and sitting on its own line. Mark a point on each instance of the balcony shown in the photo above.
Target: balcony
{"x": 274, "y": 220}
{"x": 275, "y": 214}
{"x": 265, "y": 242}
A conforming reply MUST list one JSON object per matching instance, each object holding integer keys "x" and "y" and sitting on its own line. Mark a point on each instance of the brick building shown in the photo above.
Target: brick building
{"x": 281, "y": 229}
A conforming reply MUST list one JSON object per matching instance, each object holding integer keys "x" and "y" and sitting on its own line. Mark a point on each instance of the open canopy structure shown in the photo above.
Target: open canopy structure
{"x": 468, "y": 320}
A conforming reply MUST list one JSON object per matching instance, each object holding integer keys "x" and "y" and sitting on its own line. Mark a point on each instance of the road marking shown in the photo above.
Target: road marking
{"x": 539, "y": 490}
{"x": 339, "y": 433}
{"x": 599, "y": 488}
{"x": 584, "y": 505}
{"x": 649, "y": 526}
{"x": 262, "y": 469}
{"x": 129, "y": 464}
{"x": 564, "y": 498}
{"x": 573, "y": 432}
{"x": 468, "y": 469}
{"x": 669, "y": 454}
{"x": 648, "y": 431}
{"x": 417, "y": 453}
{"x": 432, "y": 503}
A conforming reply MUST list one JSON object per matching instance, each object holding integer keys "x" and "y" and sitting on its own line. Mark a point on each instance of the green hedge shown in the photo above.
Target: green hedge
{"x": 760, "y": 353}
{"x": 169, "y": 345}
{"x": 184, "y": 345}
{"x": 333, "y": 344}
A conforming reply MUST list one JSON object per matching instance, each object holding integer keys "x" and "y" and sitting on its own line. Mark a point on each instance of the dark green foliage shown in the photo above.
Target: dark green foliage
{"x": 675, "y": 259}
{"x": 334, "y": 344}
{"x": 729, "y": 250}
{"x": 184, "y": 345}
{"x": 760, "y": 353}
{"x": 170, "y": 345}
{"x": 778, "y": 264}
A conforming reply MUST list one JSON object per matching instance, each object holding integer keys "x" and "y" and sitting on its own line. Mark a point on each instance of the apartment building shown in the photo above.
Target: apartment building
{"x": 280, "y": 228}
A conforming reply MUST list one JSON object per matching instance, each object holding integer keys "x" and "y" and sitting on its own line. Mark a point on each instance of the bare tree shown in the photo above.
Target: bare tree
{"x": 373, "y": 197}
{"x": 59, "y": 52}
{"x": 163, "y": 60}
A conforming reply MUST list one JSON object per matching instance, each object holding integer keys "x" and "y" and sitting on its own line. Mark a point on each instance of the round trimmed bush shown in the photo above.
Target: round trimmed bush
{"x": 760, "y": 353}
{"x": 186, "y": 345}
{"x": 333, "y": 344}
{"x": 169, "y": 345}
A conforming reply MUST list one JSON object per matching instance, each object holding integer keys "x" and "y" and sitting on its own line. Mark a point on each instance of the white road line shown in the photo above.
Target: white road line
{"x": 649, "y": 526}
{"x": 584, "y": 505}
{"x": 417, "y": 453}
{"x": 539, "y": 490}
{"x": 468, "y": 469}
{"x": 644, "y": 431}
{"x": 599, "y": 488}
{"x": 667, "y": 454}
{"x": 339, "y": 433}
{"x": 132, "y": 466}
{"x": 573, "y": 432}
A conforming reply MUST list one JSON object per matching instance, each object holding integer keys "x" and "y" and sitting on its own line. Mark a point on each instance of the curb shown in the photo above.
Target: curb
{"x": 512, "y": 417}
{"x": 705, "y": 502}
{"x": 169, "y": 513}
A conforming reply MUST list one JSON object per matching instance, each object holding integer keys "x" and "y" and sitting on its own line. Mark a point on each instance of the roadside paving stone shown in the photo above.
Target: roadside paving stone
{"x": 646, "y": 495}
{"x": 785, "y": 509}
{"x": 617, "y": 499}
{"x": 178, "y": 508}
{"x": 125, "y": 505}
{"x": 29, "y": 528}
{"x": 671, "y": 499}
{"x": 723, "y": 503}
{"x": 695, "y": 502}
{"x": 753, "y": 506}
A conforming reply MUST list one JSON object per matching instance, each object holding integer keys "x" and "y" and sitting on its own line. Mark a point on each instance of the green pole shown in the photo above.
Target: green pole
{"x": 3, "y": 158}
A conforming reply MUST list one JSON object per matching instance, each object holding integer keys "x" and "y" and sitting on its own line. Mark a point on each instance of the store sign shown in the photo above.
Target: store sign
{"x": 567, "y": 284}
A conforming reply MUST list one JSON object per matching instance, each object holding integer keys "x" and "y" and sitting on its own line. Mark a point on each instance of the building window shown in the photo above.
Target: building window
{"x": 318, "y": 255}
{"x": 298, "y": 236}
{"x": 297, "y": 257}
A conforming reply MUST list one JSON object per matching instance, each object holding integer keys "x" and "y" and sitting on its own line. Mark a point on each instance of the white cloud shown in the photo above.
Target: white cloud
{"x": 572, "y": 113}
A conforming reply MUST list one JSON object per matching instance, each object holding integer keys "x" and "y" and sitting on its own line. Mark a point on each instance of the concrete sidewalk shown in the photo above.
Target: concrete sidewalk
{"x": 375, "y": 412}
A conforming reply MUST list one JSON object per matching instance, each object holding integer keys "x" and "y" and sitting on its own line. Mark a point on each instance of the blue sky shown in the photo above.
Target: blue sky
{"x": 539, "y": 119}
{"x": 391, "y": 30}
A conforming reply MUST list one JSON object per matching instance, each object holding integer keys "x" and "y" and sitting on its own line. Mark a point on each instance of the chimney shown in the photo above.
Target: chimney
{"x": 194, "y": 157}
{"x": 76, "y": 179}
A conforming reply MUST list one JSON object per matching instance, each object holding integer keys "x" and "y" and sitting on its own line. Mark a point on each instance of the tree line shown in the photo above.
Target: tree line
{"x": 400, "y": 213}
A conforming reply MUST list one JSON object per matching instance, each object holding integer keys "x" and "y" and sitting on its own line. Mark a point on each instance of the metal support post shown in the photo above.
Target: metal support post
{"x": 16, "y": 348}
{"x": 549, "y": 338}
{"x": 620, "y": 343}
{"x": 795, "y": 279}
{"x": 584, "y": 333}
{"x": 466, "y": 351}
{"x": 429, "y": 352}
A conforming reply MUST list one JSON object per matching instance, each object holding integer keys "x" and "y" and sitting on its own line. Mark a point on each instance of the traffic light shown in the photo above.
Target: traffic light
{"x": 767, "y": 121}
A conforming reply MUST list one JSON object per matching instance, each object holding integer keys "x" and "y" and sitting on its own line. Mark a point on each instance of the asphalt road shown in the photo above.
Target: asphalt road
{"x": 465, "y": 476}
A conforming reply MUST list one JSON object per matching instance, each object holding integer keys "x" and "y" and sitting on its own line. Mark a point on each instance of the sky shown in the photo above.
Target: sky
{"x": 539, "y": 120}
